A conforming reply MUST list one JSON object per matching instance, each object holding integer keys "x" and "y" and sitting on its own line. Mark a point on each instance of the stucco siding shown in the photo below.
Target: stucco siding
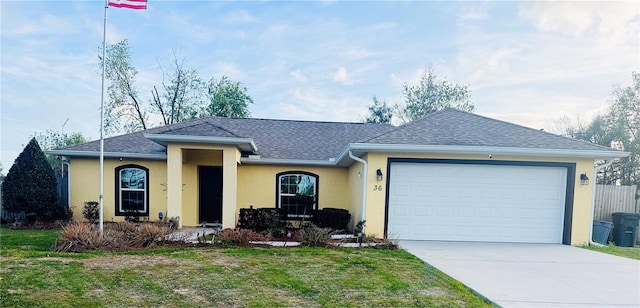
{"x": 184, "y": 160}
{"x": 191, "y": 159}
{"x": 85, "y": 179}
{"x": 257, "y": 185}
{"x": 339, "y": 187}
{"x": 355, "y": 192}
{"x": 581, "y": 220}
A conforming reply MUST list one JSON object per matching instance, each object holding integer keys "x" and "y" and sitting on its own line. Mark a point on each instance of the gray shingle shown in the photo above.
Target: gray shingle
{"x": 455, "y": 127}
{"x": 309, "y": 140}
{"x": 279, "y": 139}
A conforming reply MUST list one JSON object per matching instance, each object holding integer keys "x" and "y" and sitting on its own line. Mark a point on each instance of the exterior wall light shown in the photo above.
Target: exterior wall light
{"x": 379, "y": 175}
{"x": 584, "y": 179}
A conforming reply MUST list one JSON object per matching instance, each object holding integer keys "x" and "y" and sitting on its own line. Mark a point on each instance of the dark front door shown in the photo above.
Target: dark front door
{"x": 210, "y": 191}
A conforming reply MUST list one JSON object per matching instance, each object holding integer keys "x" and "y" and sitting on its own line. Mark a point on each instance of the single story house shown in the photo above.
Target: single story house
{"x": 451, "y": 175}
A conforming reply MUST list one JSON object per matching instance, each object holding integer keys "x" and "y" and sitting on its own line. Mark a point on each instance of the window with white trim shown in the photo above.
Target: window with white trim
{"x": 132, "y": 194}
{"x": 298, "y": 193}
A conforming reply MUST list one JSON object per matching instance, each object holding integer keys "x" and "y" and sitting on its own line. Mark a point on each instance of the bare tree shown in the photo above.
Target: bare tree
{"x": 182, "y": 93}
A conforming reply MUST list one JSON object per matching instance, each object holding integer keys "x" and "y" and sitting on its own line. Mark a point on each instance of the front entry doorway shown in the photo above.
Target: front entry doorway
{"x": 210, "y": 193}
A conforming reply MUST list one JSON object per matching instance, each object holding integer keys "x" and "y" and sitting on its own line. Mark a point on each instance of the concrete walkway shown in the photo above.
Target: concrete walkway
{"x": 535, "y": 275}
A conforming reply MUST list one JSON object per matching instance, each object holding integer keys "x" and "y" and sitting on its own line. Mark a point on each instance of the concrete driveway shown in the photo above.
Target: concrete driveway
{"x": 535, "y": 275}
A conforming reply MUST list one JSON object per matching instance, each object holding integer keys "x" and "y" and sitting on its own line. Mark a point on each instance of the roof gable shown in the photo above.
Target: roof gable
{"x": 451, "y": 127}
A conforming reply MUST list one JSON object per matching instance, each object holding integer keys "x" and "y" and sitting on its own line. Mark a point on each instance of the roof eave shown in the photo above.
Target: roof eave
{"x": 244, "y": 144}
{"x": 92, "y": 154}
{"x": 361, "y": 148}
{"x": 277, "y": 161}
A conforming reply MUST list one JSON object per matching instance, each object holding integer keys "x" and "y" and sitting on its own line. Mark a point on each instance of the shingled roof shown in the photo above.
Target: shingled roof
{"x": 275, "y": 139}
{"x": 458, "y": 128}
{"x": 321, "y": 141}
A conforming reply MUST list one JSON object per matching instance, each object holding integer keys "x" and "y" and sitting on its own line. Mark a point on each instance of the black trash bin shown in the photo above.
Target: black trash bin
{"x": 625, "y": 228}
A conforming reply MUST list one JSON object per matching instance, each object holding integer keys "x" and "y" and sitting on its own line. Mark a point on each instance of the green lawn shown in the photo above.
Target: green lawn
{"x": 32, "y": 276}
{"x": 627, "y": 252}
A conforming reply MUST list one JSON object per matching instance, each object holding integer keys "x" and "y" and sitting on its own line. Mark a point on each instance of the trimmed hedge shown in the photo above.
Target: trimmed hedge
{"x": 262, "y": 219}
{"x": 269, "y": 218}
{"x": 336, "y": 219}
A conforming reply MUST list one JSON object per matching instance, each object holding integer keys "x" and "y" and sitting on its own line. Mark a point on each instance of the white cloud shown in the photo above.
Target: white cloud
{"x": 187, "y": 28}
{"x": 297, "y": 74}
{"x": 341, "y": 76}
{"x": 21, "y": 25}
{"x": 229, "y": 69}
{"x": 239, "y": 17}
{"x": 474, "y": 13}
{"x": 610, "y": 22}
{"x": 319, "y": 105}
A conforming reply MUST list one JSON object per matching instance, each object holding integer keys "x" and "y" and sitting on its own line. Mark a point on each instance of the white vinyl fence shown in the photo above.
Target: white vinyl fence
{"x": 614, "y": 198}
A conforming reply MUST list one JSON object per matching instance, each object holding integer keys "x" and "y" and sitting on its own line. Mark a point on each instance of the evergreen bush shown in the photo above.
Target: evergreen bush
{"x": 30, "y": 185}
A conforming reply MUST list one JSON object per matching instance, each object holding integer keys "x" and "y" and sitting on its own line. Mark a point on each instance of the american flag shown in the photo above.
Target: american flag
{"x": 129, "y": 4}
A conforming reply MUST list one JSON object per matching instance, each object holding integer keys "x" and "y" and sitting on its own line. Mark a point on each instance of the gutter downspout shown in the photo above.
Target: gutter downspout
{"x": 593, "y": 200}
{"x": 364, "y": 185}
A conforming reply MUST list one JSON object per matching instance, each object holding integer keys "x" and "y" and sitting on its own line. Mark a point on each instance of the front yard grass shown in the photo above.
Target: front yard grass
{"x": 627, "y": 252}
{"x": 33, "y": 276}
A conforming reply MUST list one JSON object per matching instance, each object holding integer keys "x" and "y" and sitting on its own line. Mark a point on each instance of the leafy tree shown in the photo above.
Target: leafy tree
{"x": 598, "y": 131}
{"x": 379, "y": 112}
{"x": 50, "y": 140}
{"x": 432, "y": 94}
{"x": 182, "y": 95}
{"x": 228, "y": 98}
{"x": 619, "y": 128}
{"x": 124, "y": 110}
{"x": 30, "y": 185}
{"x": 624, "y": 122}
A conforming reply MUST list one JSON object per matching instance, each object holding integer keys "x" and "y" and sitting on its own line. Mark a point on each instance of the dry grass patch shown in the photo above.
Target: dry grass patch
{"x": 125, "y": 261}
{"x": 227, "y": 277}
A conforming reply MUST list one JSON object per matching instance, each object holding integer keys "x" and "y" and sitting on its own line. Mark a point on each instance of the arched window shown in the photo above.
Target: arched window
{"x": 132, "y": 193}
{"x": 297, "y": 193}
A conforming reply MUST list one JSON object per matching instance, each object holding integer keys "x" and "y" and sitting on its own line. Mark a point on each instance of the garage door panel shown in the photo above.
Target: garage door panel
{"x": 476, "y": 202}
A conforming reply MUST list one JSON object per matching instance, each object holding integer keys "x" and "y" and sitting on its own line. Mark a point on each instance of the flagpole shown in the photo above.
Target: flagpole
{"x": 104, "y": 57}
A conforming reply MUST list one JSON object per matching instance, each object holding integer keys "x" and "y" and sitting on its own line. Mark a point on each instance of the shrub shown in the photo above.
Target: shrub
{"x": 30, "y": 185}
{"x": 91, "y": 211}
{"x": 119, "y": 236}
{"x": 78, "y": 237}
{"x": 173, "y": 222}
{"x": 149, "y": 234}
{"x": 314, "y": 236}
{"x": 357, "y": 230}
{"x": 336, "y": 219}
{"x": 262, "y": 219}
{"x": 239, "y": 237}
{"x": 131, "y": 216}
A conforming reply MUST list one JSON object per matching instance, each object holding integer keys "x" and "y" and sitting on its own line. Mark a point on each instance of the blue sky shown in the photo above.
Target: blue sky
{"x": 525, "y": 62}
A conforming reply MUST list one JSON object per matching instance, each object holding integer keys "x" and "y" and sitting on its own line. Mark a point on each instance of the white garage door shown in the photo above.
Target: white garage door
{"x": 470, "y": 202}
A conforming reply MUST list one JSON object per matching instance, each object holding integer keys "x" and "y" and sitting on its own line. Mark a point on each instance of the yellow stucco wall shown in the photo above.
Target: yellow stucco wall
{"x": 257, "y": 185}
{"x": 244, "y": 185}
{"x": 85, "y": 179}
{"x": 191, "y": 159}
{"x": 183, "y": 195}
{"x": 355, "y": 193}
{"x": 376, "y": 198}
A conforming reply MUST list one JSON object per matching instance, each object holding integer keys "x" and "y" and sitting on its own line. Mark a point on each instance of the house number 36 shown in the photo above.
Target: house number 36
{"x": 377, "y": 187}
